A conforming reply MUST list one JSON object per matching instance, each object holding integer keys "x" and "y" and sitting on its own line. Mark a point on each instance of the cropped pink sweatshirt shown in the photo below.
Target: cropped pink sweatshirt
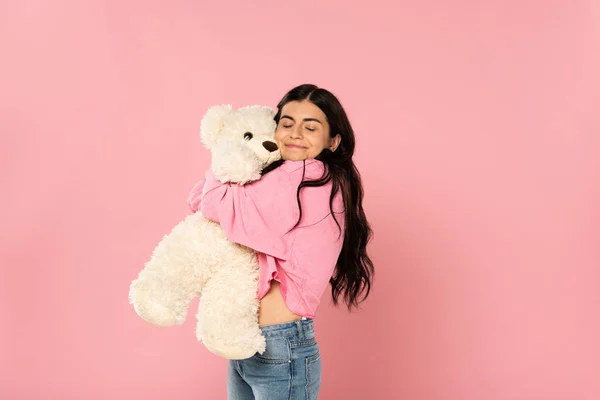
{"x": 261, "y": 215}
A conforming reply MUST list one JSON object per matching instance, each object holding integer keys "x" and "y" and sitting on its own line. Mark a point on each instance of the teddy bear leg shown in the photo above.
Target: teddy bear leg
{"x": 228, "y": 312}
{"x": 173, "y": 276}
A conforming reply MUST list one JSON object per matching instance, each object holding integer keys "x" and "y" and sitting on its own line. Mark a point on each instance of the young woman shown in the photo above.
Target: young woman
{"x": 305, "y": 219}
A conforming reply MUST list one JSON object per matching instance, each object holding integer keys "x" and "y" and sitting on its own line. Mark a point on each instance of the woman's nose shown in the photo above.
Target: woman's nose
{"x": 296, "y": 132}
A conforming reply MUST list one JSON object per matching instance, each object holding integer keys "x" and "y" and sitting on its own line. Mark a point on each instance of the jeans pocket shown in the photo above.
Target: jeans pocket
{"x": 313, "y": 375}
{"x": 276, "y": 352}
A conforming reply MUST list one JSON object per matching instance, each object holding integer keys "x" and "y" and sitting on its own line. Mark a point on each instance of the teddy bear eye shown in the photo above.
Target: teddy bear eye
{"x": 248, "y": 135}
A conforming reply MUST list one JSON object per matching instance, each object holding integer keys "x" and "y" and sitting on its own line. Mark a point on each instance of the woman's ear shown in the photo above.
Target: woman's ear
{"x": 335, "y": 142}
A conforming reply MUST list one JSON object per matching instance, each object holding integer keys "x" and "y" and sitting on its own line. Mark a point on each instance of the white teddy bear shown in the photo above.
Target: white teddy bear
{"x": 196, "y": 259}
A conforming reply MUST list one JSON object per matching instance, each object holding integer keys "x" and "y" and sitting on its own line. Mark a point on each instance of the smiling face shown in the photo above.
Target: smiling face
{"x": 303, "y": 131}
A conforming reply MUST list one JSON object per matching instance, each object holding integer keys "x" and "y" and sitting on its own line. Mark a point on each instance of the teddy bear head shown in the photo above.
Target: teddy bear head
{"x": 241, "y": 141}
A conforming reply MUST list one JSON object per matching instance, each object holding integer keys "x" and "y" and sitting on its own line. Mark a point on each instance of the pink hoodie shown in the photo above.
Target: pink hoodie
{"x": 261, "y": 215}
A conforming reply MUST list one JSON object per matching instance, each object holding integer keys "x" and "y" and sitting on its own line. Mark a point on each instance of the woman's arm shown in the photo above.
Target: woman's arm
{"x": 260, "y": 215}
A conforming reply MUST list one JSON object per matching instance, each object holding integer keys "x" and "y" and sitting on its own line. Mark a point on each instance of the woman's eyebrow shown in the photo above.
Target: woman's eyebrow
{"x": 305, "y": 119}
{"x": 312, "y": 119}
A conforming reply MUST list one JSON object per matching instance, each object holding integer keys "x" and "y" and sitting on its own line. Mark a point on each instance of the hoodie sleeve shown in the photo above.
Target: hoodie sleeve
{"x": 259, "y": 215}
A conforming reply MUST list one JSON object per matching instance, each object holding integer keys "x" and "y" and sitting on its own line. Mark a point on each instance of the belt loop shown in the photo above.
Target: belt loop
{"x": 300, "y": 329}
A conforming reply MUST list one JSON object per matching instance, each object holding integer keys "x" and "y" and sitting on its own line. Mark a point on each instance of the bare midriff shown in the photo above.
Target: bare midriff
{"x": 273, "y": 309}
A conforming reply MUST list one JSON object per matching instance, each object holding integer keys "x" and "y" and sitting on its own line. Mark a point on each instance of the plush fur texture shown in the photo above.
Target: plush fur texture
{"x": 196, "y": 259}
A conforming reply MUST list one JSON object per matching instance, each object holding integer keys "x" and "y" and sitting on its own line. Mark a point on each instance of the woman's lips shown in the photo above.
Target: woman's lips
{"x": 295, "y": 146}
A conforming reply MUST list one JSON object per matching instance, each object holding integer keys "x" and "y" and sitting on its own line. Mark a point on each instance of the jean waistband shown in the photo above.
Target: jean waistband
{"x": 299, "y": 327}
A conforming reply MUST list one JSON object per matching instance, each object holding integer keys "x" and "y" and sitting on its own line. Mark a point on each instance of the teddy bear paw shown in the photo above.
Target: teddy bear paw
{"x": 235, "y": 351}
{"x": 153, "y": 311}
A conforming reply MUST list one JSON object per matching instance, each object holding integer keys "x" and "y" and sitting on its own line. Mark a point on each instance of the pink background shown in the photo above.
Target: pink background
{"x": 479, "y": 143}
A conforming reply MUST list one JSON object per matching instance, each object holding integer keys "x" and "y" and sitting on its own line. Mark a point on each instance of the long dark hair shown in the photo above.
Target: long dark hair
{"x": 354, "y": 270}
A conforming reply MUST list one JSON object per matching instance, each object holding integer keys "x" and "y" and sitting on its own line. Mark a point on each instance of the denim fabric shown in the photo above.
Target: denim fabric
{"x": 289, "y": 369}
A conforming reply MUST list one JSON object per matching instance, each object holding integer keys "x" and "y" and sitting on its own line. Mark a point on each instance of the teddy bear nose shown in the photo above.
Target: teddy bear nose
{"x": 270, "y": 146}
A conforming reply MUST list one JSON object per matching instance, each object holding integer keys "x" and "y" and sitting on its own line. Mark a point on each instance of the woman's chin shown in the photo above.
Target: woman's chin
{"x": 294, "y": 156}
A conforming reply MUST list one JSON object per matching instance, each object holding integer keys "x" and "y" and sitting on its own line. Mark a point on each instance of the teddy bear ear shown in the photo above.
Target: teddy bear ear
{"x": 212, "y": 123}
{"x": 266, "y": 110}
{"x": 270, "y": 111}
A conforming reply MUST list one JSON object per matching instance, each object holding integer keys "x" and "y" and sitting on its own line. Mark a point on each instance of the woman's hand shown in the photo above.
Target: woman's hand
{"x": 194, "y": 199}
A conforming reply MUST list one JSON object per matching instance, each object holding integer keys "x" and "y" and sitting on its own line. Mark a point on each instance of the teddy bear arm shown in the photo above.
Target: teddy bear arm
{"x": 173, "y": 276}
{"x": 228, "y": 310}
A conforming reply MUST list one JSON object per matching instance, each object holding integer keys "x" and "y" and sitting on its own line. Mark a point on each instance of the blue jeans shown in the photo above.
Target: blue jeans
{"x": 289, "y": 369}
